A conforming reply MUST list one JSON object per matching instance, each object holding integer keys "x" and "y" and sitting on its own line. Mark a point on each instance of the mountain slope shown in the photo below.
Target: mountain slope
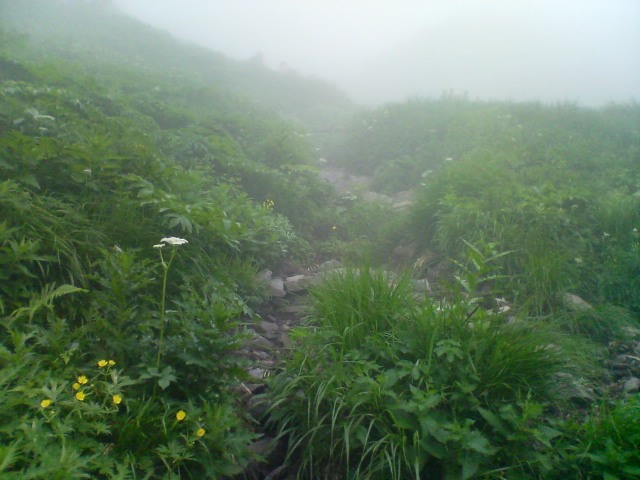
{"x": 95, "y": 33}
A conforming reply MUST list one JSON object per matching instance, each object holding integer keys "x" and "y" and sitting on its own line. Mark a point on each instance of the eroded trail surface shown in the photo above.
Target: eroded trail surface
{"x": 267, "y": 346}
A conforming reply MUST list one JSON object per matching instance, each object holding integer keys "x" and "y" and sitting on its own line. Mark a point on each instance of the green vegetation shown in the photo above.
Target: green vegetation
{"x": 399, "y": 387}
{"x": 99, "y": 163}
{"x": 141, "y": 192}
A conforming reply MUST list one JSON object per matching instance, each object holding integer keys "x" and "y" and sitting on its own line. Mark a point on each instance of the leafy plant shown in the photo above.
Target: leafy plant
{"x": 388, "y": 386}
{"x": 605, "y": 444}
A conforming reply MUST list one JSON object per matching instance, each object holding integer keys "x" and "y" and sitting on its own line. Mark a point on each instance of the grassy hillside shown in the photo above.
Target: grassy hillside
{"x": 99, "y": 37}
{"x": 402, "y": 143}
{"x": 144, "y": 182}
{"x": 557, "y": 186}
{"x": 139, "y": 196}
{"x": 526, "y": 220}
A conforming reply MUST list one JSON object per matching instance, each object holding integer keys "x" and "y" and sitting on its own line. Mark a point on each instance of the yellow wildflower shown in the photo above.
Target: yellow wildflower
{"x": 80, "y": 396}
{"x": 82, "y": 379}
{"x": 201, "y": 432}
{"x": 76, "y": 386}
{"x": 181, "y": 415}
{"x": 117, "y": 399}
{"x": 45, "y": 403}
{"x": 111, "y": 362}
{"x": 102, "y": 363}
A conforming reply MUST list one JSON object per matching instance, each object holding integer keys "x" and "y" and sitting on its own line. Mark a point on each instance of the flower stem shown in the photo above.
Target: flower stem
{"x": 165, "y": 267}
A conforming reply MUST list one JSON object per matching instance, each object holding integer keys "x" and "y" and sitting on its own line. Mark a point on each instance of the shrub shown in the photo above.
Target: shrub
{"x": 385, "y": 385}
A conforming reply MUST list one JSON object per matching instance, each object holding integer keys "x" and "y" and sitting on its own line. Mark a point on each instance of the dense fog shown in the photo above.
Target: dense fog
{"x": 585, "y": 51}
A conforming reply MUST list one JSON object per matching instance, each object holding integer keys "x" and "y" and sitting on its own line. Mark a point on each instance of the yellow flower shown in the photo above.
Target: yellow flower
{"x": 201, "y": 432}
{"x": 45, "y": 403}
{"x": 82, "y": 379}
{"x": 117, "y": 399}
{"x": 102, "y": 363}
{"x": 76, "y": 386}
{"x": 111, "y": 363}
{"x": 334, "y": 228}
{"x": 181, "y": 415}
{"x": 80, "y": 396}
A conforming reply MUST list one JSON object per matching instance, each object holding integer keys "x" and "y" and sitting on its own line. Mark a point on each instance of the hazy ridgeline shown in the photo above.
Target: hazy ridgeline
{"x": 118, "y": 340}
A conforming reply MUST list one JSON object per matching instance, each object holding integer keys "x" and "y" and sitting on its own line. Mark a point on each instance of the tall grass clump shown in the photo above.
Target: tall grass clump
{"x": 393, "y": 386}
{"x": 357, "y": 304}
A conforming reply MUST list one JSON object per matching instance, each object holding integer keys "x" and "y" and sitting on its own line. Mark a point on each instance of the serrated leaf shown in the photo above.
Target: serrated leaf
{"x": 544, "y": 433}
{"x": 475, "y": 441}
{"x": 166, "y": 377}
{"x": 404, "y": 420}
{"x": 470, "y": 467}
{"x": 493, "y": 420}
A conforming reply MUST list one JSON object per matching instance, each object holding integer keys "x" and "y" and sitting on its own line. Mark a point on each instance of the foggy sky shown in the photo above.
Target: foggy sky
{"x": 587, "y": 51}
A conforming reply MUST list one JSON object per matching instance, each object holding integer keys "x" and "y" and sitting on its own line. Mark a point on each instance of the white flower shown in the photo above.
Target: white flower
{"x": 159, "y": 245}
{"x": 174, "y": 241}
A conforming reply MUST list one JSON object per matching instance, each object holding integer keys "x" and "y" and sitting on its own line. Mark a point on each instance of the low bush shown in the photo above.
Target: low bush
{"x": 386, "y": 385}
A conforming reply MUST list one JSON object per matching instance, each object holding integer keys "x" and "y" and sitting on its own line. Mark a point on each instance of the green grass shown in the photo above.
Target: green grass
{"x": 385, "y": 385}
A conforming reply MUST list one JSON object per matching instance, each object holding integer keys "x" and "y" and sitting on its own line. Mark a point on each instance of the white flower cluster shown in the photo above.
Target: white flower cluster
{"x": 175, "y": 241}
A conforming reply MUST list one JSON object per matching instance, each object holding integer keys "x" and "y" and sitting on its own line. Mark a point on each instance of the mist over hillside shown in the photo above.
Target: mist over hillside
{"x": 520, "y": 52}
{"x": 97, "y": 33}
{"x": 211, "y": 267}
{"x": 586, "y": 51}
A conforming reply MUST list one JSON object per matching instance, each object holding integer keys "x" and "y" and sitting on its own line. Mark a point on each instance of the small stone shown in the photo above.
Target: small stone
{"x": 403, "y": 205}
{"x": 276, "y": 288}
{"x": 258, "y": 355}
{"x": 298, "y": 283}
{"x": 264, "y": 447}
{"x": 632, "y": 385}
{"x": 421, "y": 285}
{"x": 376, "y": 197}
{"x": 264, "y": 276}
{"x": 620, "y": 362}
{"x": 295, "y": 309}
{"x": 330, "y": 265}
{"x": 285, "y": 340}
{"x": 260, "y": 343}
{"x": 257, "y": 408}
{"x": 258, "y": 373}
{"x": 267, "y": 327}
{"x": 575, "y": 303}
